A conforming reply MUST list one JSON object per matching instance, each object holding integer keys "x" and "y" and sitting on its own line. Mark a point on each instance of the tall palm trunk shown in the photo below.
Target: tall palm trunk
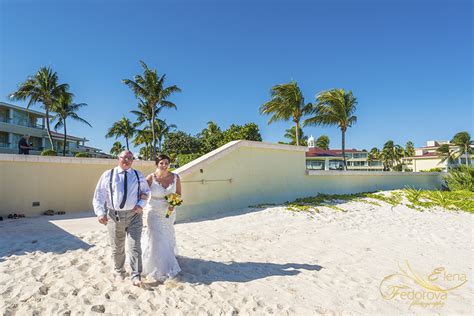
{"x": 344, "y": 148}
{"x": 297, "y": 133}
{"x": 126, "y": 141}
{"x": 65, "y": 138}
{"x": 48, "y": 128}
{"x": 467, "y": 155}
{"x": 153, "y": 132}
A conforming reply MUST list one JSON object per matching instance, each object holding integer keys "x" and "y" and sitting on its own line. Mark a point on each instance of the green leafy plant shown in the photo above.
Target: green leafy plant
{"x": 460, "y": 178}
{"x": 48, "y": 152}
{"x": 82, "y": 155}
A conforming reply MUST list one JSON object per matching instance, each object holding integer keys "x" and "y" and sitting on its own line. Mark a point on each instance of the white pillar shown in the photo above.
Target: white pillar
{"x": 10, "y": 116}
{"x": 10, "y": 140}
{"x": 326, "y": 164}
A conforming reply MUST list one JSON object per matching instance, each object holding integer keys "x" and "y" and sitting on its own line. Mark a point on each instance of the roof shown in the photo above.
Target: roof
{"x": 319, "y": 152}
{"x": 22, "y": 109}
{"x": 425, "y": 155}
{"x": 59, "y": 135}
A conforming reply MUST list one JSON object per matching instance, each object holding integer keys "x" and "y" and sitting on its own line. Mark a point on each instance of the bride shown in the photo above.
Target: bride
{"x": 158, "y": 239}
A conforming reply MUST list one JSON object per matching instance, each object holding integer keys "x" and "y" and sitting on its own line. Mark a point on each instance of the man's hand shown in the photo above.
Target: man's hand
{"x": 103, "y": 219}
{"x": 138, "y": 209}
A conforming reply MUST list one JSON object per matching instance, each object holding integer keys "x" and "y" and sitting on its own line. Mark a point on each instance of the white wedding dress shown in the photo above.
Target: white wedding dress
{"x": 158, "y": 238}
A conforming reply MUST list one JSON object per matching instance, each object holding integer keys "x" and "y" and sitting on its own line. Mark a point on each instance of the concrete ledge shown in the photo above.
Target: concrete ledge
{"x": 67, "y": 160}
{"x": 226, "y": 149}
{"x": 370, "y": 173}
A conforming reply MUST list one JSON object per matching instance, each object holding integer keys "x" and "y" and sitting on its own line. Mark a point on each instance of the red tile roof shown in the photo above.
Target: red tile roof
{"x": 318, "y": 152}
{"x": 54, "y": 134}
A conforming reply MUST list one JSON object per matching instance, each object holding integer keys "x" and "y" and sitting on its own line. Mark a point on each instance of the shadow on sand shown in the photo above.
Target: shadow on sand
{"x": 206, "y": 272}
{"x": 23, "y": 236}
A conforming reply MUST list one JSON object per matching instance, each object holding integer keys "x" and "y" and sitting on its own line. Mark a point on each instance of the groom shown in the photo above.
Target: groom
{"x": 118, "y": 204}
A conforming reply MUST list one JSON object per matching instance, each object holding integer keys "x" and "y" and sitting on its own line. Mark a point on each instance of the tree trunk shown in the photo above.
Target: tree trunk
{"x": 344, "y": 148}
{"x": 467, "y": 155}
{"x": 153, "y": 139}
{"x": 48, "y": 129}
{"x": 65, "y": 138}
{"x": 297, "y": 133}
{"x": 126, "y": 141}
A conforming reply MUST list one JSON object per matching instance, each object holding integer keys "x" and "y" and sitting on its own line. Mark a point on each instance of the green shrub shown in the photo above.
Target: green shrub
{"x": 82, "y": 155}
{"x": 183, "y": 159}
{"x": 48, "y": 152}
{"x": 460, "y": 178}
{"x": 433, "y": 170}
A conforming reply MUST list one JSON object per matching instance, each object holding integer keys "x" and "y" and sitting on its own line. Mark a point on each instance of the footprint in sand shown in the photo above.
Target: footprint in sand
{"x": 83, "y": 267}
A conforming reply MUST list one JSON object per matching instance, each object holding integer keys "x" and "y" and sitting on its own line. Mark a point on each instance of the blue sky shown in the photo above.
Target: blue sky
{"x": 409, "y": 63}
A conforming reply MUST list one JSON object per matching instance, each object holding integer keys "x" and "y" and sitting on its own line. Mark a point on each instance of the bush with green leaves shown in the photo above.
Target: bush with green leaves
{"x": 82, "y": 155}
{"x": 183, "y": 159}
{"x": 48, "y": 152}
{"x": 460, "y": 178}
{"x": 432, "y": 170}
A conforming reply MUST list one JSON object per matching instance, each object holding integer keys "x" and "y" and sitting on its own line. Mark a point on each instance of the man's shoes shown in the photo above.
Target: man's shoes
{"x": 137, "y": 282}
{"x": 119, "y": 276}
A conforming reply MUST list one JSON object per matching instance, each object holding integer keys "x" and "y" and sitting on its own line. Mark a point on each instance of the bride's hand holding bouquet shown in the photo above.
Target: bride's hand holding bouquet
{"x": 173, "y": 199}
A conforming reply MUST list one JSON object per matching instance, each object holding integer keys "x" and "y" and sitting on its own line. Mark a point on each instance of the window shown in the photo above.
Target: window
{"x": 315, "y": 165}
{"x": 375, "y": 163}
{"x": 335, "y": 165}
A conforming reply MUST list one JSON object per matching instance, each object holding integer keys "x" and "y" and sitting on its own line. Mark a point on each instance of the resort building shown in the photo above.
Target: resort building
{"x": 428, "y": 159}
{"x": 332, "y": 159}
{"x": 16, "y": 122}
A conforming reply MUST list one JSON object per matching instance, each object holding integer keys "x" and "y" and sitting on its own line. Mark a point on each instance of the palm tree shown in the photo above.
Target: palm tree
{"x": 409, "y": 149}
{"x": 117, "y": 148}
{"x": 335, "y": 107}
{"x": 144, "y": 136}
{"x": 151, "y": 91}
{"x": 391, "y": 154}
{"x": 64, "y": 108}
{"x": 43, "y": 88}
{"x": 161, "y": 130}
{"x": 124, "y": 128}
{"x": 211, "y": 130}
{"x": 463, "y": 141}
{"x": 374, "y": 154}
{"x": 323, "y": 142}
{"x": 446, "y": 153}
{"x": 291, "y": 135}
{"x": 287, "y": 103}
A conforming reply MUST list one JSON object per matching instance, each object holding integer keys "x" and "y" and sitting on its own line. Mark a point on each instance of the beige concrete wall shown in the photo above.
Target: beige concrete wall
{"x": 427, "y": 164}
{"x": 58, "y": 183}
{"x": 269, "y": 173}
{"x": 238, "y": 174}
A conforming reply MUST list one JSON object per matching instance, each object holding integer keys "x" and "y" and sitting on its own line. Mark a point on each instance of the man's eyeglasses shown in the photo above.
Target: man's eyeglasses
{"x": 127, "y": 159}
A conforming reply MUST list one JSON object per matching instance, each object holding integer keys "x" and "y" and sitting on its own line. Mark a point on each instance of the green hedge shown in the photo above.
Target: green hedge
{"x": 183, "y": 159}
{"x": 460, "y": 178}
{"x": 82, "y": 155}
{"x": 48, "y": 152}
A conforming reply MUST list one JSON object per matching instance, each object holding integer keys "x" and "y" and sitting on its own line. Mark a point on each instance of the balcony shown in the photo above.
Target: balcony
{"x": 21, "y": 122}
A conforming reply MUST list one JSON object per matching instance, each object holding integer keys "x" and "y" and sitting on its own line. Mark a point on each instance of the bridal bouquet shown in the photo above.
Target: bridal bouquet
{"x": 173, "y": 200}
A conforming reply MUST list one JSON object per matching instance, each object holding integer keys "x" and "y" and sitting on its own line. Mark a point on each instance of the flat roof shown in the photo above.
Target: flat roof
{"x": 8, "y": 105}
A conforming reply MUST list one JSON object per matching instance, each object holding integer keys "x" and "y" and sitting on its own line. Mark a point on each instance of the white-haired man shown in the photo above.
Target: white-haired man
{"x": 118, "y": 203}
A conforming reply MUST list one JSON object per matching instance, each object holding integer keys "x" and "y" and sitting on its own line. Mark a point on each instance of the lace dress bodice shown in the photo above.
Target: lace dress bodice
{"x": 158, "y": 193}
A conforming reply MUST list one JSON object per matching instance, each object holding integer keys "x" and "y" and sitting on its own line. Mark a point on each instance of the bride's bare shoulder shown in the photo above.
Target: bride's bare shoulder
{"x": 149, "y": 178}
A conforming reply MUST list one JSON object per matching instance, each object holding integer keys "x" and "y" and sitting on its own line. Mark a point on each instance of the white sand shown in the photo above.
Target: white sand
{"x": 269, "y": 261}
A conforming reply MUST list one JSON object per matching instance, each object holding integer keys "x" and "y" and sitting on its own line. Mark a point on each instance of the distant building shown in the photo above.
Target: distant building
{"x": 17, "y": 121}
{"x": 332, "y": 159}
{"x": 427, "y": 158}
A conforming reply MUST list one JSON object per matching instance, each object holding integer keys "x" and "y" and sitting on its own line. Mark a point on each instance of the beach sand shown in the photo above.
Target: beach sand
{"x": 254, "y": 261}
